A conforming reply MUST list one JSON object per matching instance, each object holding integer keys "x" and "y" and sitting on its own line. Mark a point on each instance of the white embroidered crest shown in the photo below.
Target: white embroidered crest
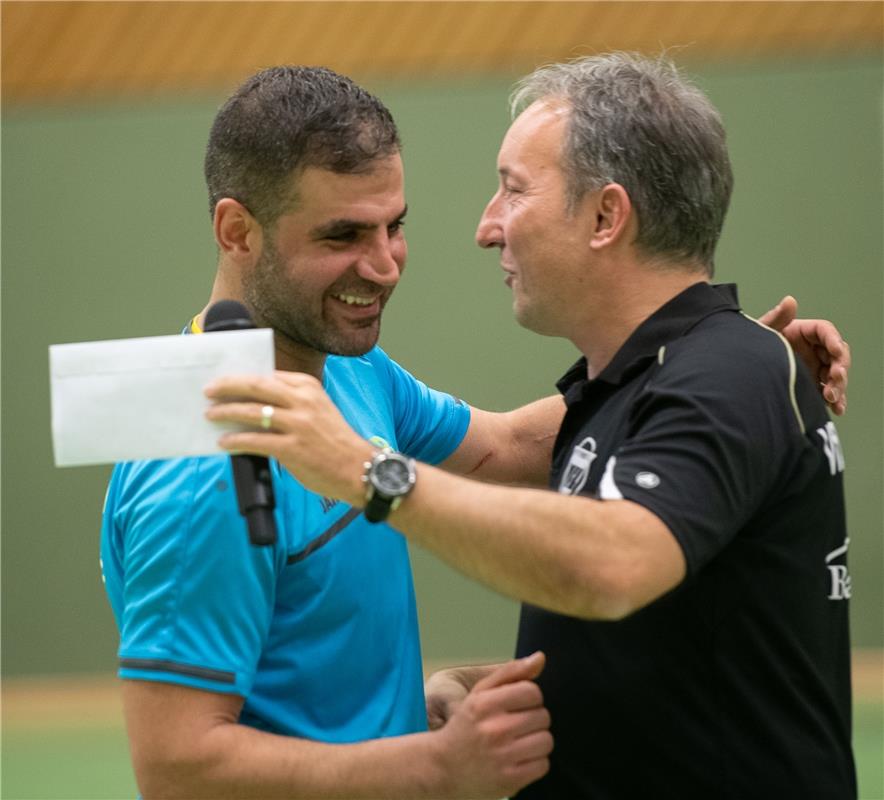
{"x": 577, "y": 471}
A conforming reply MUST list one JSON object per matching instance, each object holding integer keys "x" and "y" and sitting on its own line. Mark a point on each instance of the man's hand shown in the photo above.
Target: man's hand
{"x": 304, "y": 430}
{"x": 444, "y": 693}
{"x": 498, "y": 740}
{"x": 446, "y": 689}
{"x": 819, "y": 345}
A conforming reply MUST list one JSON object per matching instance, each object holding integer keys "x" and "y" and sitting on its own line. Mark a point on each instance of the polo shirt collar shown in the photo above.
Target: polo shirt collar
{"x": 670, "y": 321}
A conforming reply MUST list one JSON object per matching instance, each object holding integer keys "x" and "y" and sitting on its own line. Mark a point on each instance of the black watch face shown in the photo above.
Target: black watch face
{"x": 391, "y": 477}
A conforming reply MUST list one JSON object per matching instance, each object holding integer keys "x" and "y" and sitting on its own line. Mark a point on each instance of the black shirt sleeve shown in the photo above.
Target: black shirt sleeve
{"x": 712, "y": 434}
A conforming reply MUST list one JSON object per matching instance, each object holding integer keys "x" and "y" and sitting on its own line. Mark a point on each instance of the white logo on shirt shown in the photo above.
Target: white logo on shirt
{"x": 575, "y": 474}
{"x": 839, "y": 587}
{"x": 647, "y": 480}
{"x": 832, "y": 447}
{"x": 608, "y": 489}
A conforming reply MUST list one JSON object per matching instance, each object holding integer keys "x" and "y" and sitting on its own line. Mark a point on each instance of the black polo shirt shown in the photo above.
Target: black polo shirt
{"x": 736, "y": 684}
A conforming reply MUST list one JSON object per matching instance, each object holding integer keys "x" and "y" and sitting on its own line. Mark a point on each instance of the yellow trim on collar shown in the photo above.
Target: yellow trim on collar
{"x": 195, "y": 325}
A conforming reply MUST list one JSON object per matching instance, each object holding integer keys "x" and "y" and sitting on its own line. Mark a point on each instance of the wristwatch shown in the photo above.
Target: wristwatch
{"x": 388, "y": 477}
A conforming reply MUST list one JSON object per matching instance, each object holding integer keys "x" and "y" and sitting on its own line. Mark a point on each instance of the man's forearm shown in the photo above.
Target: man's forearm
{"x": 235, "y": 761}
{"x": 534, "y": 429}
{"x": 187, "y": 743}
{"x": 594, "y": 559}
{"x": 582, "y": 557}
{"x": 514, "y": 447}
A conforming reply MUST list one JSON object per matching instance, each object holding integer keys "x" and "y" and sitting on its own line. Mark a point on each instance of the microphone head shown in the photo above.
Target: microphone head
{"x": 227, "y": 315}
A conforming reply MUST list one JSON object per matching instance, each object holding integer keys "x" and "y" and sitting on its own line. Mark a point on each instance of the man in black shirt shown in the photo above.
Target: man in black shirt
{"x": 736, "y": 683}
{"x": 687, "y": 576}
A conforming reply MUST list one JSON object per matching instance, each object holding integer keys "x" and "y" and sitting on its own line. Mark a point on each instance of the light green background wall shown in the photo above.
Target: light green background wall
{"x": 106, "y": 234}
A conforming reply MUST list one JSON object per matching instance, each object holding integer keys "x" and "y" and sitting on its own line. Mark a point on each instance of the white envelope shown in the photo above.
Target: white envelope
{"x": 132, "y": 399}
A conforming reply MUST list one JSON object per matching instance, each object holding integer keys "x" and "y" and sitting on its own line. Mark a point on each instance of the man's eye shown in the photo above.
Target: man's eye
{"x": 395, "y": 227}
{"x": 343, "y": 236}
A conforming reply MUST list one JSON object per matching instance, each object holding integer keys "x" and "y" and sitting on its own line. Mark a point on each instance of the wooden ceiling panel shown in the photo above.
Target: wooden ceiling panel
{"x": 65, "y": 50}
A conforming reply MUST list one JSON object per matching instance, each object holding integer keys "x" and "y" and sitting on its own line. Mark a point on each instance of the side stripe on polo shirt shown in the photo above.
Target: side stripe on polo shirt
{"x": 325, "y": 537}
{"x": 153, "y": 665}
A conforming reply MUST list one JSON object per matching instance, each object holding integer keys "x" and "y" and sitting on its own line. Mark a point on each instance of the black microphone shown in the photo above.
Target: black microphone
{"x": 251, "y": 474}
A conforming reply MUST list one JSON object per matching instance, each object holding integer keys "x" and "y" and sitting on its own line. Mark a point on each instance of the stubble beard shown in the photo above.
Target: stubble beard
{"x": 264, "y": 291}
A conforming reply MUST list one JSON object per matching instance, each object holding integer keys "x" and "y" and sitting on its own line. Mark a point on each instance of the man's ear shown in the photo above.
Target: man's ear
{"x": 239, "y": 235}
{"x": 614, "y": 216}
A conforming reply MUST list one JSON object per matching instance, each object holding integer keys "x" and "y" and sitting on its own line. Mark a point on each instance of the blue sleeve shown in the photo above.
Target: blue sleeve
{"x": 193, "y": 599}
{"x": 430, "y": 425}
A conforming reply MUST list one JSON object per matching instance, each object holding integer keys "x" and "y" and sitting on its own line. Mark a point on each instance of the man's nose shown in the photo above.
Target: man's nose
{"x": 379, "y": 264}
{"x": 489, "y": 232}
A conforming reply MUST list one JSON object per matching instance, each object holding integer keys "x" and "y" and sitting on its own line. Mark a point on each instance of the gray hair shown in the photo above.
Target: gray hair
{"x": 637, "y": 122}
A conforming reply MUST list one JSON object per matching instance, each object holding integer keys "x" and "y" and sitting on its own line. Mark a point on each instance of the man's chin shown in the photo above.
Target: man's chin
{"x": 534, "y": 322}
{"x": 355, "y": 345}
{"x": 522, "y": 316}
{"x": 334, "y": 342}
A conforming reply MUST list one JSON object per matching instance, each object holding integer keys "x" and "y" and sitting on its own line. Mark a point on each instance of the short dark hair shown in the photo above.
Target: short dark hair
{"x": 287, "y": 118}
{"x": 637, "y": 122}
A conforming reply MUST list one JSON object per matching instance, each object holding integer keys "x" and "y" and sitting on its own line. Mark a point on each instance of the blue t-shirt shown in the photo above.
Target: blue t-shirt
{"x": 319, "y": 632}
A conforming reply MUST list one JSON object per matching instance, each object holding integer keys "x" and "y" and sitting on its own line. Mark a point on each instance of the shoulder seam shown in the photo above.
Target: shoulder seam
{"x": 793, "y": 370}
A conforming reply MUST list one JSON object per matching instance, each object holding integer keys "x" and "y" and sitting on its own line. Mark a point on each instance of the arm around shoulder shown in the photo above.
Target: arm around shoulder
{"x": 509, "y": 447}
{"x": 586, "y": 558}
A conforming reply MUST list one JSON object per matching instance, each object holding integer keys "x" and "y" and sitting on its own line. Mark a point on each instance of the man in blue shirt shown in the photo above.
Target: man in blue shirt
{"x": 251, "y": 671}
{"x": 294, "y": 671}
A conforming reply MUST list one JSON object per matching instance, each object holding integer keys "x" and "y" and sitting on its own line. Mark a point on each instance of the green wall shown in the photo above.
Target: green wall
{"x": 106, "y": 234}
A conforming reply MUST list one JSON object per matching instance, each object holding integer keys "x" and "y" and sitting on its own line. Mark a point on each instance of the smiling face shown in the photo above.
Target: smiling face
{"x": 543, "y": 245}
{"x": 327, "y": 268}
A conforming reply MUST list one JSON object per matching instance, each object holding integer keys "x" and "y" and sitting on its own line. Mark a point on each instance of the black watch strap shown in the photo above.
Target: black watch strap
{"x": 388, "y": 477}
{"x": 378, "y": 508}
